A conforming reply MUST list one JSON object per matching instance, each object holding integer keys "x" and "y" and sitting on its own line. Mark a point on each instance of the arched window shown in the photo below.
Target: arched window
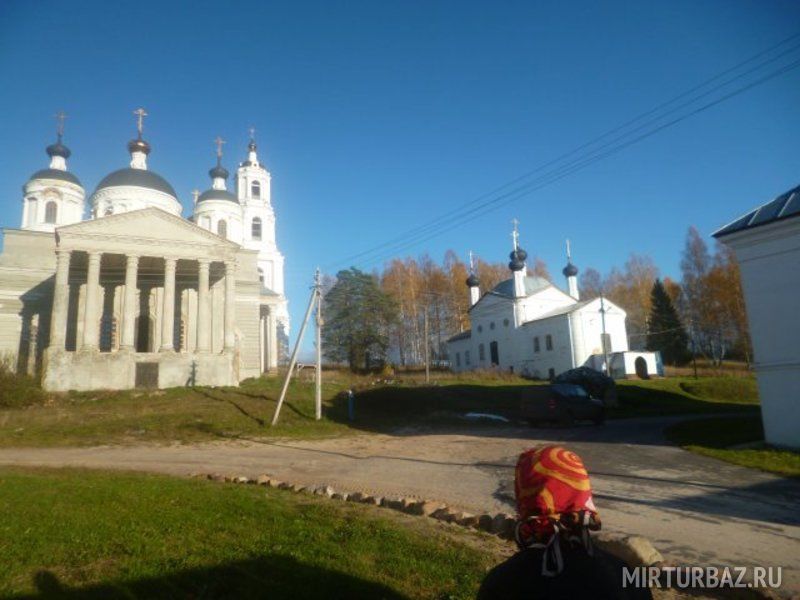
{"x": 261, "y": 276}
{"x": 255, "y": 189}
{"x": 109, "y": 211}
{"x": 50, "y": 212}
{"x": 222, "y": 228}
{"x": 255, "y": 229}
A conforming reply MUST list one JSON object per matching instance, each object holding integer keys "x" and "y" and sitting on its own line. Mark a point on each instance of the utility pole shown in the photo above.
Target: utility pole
{"x": 318, "y": 391}
{"x": 694, "y": 351}
{"x": 427, "y": 351}
{"x": 293, "y": 359}
{"x": 604, "y": 338}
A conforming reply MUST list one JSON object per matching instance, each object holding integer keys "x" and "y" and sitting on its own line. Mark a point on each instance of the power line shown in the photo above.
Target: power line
{"x": 403, "y": 239}
{"x": 578, "y": 165}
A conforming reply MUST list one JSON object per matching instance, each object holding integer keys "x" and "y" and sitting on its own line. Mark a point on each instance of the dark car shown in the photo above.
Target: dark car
{"x": 562, "y": 403}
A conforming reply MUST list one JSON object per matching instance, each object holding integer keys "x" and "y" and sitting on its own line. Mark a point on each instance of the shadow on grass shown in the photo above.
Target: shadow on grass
{"x": 239, "y": 407}
{"x": 272, "y": 576}
{"x": 400, "y": 409}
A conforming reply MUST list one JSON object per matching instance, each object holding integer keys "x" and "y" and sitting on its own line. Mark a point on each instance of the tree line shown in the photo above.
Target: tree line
{"x": 372, "y": 318}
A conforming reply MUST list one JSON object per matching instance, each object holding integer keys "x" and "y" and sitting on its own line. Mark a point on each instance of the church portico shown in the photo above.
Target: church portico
{"x": 168, "y": 303}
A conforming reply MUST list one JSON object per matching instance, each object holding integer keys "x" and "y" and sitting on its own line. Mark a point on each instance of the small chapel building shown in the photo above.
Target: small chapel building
{"x": 527, "y": 325}
{"x": 135, "y": 295}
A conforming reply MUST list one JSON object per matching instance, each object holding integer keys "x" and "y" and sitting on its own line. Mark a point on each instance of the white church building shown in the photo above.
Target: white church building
{"x": 125, "y": 292}
{"x": 527, "y": 325}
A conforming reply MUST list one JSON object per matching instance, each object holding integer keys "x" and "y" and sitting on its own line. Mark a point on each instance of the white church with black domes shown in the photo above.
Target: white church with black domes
{"x": 133, "y": 294}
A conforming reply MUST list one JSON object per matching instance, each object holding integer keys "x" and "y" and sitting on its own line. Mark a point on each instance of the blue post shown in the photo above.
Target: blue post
{"x": 351, "y": 405}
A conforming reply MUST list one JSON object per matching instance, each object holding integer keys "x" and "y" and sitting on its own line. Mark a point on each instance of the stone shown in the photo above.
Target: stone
{"x": 485, "y": 522}
{"x": 274, "y": 483}
{"x": 445, "y": 514}
{"x": 374, "y": 500}
{"x": 340, "y": 496}
{"x": 424, "y": 507}
{"x": 509, "y": 528}
{"x": 263, "y": 480}
{"x": 635, "y": 550}
{"x": 284, "y": 485}
{"x": 298, "y": 488}
{"x": 242, "y": 479}
{"x": 393, "y": 503}
{"x": 323, "y": 490}
{"x": 216, "y": 477}
{"x": 356, "y": 497}
{"x": 468, "y": 520}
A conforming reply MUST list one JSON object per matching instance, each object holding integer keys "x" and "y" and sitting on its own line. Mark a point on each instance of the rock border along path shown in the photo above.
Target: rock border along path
{"x": 636, "y": 551}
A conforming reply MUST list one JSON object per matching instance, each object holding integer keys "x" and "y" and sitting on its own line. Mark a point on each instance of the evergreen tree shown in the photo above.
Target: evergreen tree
{"x": 357, "y": 319}
{"x": 666, "y": 333}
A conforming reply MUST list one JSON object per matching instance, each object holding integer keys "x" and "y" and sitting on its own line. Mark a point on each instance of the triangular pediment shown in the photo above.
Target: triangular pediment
{"x": 147, "y": 225}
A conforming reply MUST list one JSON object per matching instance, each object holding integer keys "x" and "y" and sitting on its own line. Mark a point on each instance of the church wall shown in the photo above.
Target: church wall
{"x": 538, "y": 364}
{"x": 27, "y": 265}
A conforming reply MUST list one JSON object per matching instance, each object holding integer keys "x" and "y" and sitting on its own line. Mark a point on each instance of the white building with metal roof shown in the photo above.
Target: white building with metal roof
{"x": 766, "y": 241}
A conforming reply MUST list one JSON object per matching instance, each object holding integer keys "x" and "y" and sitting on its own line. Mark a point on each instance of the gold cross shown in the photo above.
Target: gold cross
{"x": 141, "y": 114}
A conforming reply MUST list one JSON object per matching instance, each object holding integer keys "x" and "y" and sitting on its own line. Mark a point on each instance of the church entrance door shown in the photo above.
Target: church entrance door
{"x": 495, "y": 354}
{"x": 143, "y": 333}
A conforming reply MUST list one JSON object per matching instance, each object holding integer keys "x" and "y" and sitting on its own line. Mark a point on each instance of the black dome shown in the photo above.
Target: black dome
{"x": 517, "y": 257}
{"x": 56, "y": 174}
{"x": 473, "y": 281}
{"x": 570, "y": 270}
{"x": 218, "y": 172}
{"x": 217, "y": 195}
{"x": 58, "y": 149}
{"x": 138, "y": 145}
{"x": 137, "y": 178}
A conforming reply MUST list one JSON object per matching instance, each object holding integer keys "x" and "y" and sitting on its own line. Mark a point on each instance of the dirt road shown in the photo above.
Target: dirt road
{"x": 696, "y": 510}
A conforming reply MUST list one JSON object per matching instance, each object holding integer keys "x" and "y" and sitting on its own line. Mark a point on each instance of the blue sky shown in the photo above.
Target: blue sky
{"x": 375, "y": 117}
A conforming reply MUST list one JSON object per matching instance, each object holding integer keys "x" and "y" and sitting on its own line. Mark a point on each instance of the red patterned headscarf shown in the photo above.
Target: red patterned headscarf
{"x": 553, "y": 494}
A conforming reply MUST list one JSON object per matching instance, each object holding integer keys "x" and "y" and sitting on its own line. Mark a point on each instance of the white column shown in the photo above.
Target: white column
{"x": 25, "y": 205}
{"x": 91, "y": 320}
{"x": 272, "y": 346}
{"x": 58, "y": 320}
{"x": 168, "y": 306}
{"x": 262, "y": 339}
{"x": 203, "y": 312}
{"x": 129, "y": 303}
{"x": 230, "y": 305}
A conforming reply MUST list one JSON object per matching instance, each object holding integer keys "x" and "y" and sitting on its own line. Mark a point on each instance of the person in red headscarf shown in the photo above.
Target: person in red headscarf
{"x": 556, "y": 557}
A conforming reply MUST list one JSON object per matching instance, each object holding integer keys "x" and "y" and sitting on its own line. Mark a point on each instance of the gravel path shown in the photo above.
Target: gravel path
{"x": 696, "y": 510}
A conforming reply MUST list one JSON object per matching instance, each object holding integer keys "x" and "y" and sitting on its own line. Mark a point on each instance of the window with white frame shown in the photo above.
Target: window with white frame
{"x": 50, "y": 212}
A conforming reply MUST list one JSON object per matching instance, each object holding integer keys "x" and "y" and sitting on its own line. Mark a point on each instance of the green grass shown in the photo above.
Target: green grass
{"x": 718, "y": 437}
{"x": 190, "y": 415}
{"x": 685, "y": 395}
{"x": 73, "y": 533}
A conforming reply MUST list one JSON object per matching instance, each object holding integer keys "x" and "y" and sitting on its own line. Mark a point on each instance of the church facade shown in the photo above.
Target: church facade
{"x": 136, "y": 295}
{"x": 527, "y": 325}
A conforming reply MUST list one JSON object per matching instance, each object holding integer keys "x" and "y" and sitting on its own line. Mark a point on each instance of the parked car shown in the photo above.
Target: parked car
{"x": 562, "y": 403}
